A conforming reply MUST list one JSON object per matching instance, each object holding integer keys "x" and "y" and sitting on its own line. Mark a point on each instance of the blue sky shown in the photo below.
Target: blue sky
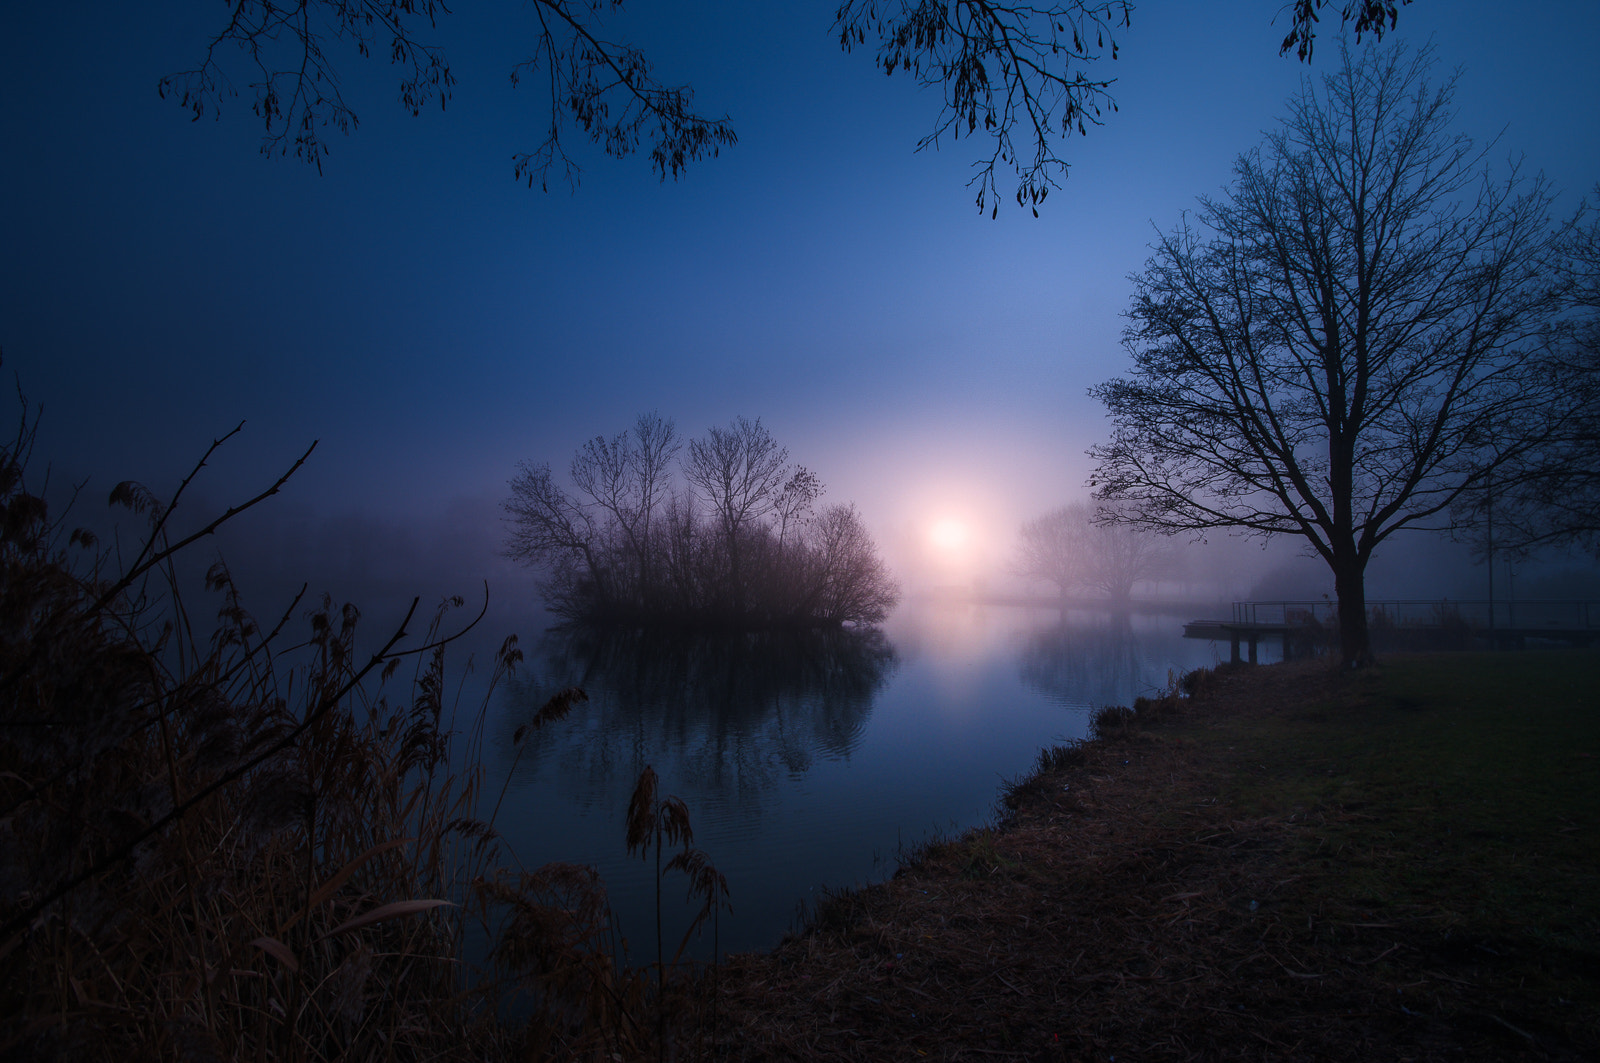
{"x": 433, "y": 322}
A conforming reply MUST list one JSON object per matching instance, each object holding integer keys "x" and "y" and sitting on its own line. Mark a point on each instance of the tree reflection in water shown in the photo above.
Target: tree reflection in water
{"x": 1089, "y": 660}
{"x": 722, "y": 714}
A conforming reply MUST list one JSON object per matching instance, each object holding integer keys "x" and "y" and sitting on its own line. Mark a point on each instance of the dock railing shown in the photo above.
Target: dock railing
{"x": 1307, "y": 628}
{"x": 1481, "y": 615}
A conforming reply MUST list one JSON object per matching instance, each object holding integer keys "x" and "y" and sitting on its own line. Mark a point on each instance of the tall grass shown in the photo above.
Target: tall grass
{"x": 230, "y": 841}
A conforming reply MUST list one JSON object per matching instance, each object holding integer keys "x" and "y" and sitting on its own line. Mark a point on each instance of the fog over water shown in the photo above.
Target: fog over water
{"x": 434, "y": 323}
{"x": 808, "y": 761}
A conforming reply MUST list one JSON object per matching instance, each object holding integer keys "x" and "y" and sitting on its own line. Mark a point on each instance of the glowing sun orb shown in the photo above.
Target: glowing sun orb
{"x": 948, "y": 535}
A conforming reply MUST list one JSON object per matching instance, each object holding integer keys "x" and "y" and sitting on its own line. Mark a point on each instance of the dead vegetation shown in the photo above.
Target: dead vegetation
{"x": 1126, "y": 907}
{"x": 240, "y": 845}
{"x": 229, "y": 841}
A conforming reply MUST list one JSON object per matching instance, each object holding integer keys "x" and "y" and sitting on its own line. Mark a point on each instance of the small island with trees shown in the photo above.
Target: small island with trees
{"x": 722, "y": 534}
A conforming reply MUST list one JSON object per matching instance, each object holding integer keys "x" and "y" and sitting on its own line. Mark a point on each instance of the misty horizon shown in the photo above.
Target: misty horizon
{"x": 928, "y": 363}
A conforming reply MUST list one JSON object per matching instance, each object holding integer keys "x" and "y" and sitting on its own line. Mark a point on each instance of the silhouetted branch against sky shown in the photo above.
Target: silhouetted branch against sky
{"x": 1548, "y": 496}
{"x": 1365, "y": 16}
{"x": 297, "y": 88}
{"x": 1324, "y": 349}
{"x": 431, "y": 321}
{"x": 1024, "y": 77}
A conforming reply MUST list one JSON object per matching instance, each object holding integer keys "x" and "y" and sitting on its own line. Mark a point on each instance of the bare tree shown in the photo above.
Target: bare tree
{"x": 655, "y": 446}
{"x": 1550, "y": 496}
{"x": 738, "y": 548}
{"x": 1018, "y": 72}
{"x": 626, "y": 478}
{"x": 1048, "y": 550}
{"x": 1325, "y": 350}
{"x": 599, "y": 542}
{"x": 852, "y": 582}
{"x": 550, "y": 528}
{"x": 799, "y": 494}
{"x": 1077, "y": 550}
{"x": 739, "y": 472}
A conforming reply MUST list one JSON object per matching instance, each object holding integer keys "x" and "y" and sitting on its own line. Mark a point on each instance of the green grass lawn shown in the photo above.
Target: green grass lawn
{"x": 1396, "y": 864}
{"x": 1456, "y": 791}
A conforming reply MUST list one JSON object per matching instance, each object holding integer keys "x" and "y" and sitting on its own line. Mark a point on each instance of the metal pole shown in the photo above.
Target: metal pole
{"x": 1491, "y": 563}
{"x": 1511, "y": 593}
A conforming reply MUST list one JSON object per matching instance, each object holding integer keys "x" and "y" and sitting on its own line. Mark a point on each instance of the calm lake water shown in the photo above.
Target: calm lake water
{"x": 807, "y": 763}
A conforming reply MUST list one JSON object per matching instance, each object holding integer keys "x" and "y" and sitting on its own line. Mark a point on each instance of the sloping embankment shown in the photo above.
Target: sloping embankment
{"x": 1293, "y": 864}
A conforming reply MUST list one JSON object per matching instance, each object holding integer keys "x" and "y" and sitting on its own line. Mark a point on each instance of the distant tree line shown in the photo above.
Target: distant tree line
{"x": 725, "y": 533}
{"x": 1081, "y": 550}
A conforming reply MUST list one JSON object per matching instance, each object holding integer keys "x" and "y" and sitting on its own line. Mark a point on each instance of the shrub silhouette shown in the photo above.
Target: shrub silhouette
{"x": 737, "y": 543}
{"x": 232, "y": 843}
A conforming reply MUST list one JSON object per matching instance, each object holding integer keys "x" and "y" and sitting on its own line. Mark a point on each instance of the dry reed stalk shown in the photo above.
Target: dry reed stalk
{"x": 225, "y": 848}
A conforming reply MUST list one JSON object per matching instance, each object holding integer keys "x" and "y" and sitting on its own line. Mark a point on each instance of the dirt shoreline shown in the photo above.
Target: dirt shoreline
{"x": 1128, "y": 909}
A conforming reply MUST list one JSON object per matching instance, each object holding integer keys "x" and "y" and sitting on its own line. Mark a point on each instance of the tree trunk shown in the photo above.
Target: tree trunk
{"x": 1349, "y": 583}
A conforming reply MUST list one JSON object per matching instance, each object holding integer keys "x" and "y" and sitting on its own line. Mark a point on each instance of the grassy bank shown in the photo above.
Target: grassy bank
{"x": 1400, "y": 864}
{"x": 1469, "y": 785}
{"x": 243, "y": 840}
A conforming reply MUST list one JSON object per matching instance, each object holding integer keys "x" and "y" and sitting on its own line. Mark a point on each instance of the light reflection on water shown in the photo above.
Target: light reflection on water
{"x": 807, "y": 761}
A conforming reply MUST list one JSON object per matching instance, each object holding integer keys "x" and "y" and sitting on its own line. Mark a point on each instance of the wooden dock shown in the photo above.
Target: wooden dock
{"x": 1237, "y": 633}
{"x": 1490, "y": 623}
